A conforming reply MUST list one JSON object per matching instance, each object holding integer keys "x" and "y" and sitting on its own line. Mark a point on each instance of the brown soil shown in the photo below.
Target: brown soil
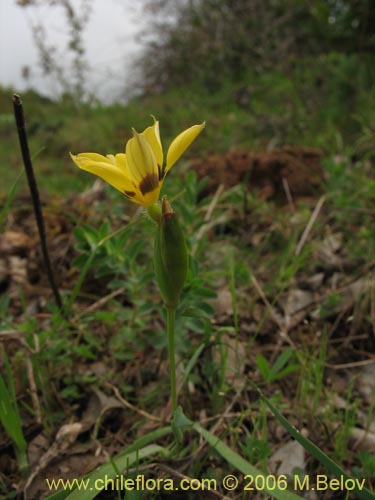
{"x": 271, "y": 172}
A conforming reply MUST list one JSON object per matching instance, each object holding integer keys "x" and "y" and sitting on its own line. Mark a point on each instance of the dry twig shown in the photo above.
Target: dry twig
{"x": 22, "y": 135}
{"x": 132, "y": 407}
{"x": 310, "y": 224}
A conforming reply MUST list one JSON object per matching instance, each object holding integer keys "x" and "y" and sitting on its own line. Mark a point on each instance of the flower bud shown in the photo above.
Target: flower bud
{"x": 170, "y": 256}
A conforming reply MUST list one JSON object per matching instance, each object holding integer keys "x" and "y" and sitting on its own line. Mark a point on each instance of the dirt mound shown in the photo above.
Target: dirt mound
{"x": 297, "y": 168}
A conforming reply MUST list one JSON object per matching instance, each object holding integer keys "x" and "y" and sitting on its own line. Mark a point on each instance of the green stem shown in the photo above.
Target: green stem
{"x": 22, "y": 461}
{"x": 171, "y": 314}
{"x": 154, "y": 211}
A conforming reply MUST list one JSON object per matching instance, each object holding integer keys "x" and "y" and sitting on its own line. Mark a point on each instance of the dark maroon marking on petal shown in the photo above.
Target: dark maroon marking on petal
{"x": 159, "y": 169}
{"x": 129, "y": 194}
{"x": 149, "y": 183}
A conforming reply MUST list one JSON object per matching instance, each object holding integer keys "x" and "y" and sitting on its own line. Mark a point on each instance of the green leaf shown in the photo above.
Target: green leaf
{"x": 280, "y": 362}
{"x": 180, "y": 423}
{"x": 241, "y": 464}
{"x": 286, "y": 371}
{"x": 263, "y": 367}
{"x": 10, "y": 417}
{"x": 329, "y": 464}
{"x": 137, "y": 451}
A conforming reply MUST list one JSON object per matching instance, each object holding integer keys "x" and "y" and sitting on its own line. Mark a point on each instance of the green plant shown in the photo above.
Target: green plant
{"x": 348, "y": 421}
{"x": 10, "y": 417}
{"x": 284, "y": 365}
{"x": 367, "y": 467}
{"x": 114, "y": 336}
{"x": 311, "y": 382}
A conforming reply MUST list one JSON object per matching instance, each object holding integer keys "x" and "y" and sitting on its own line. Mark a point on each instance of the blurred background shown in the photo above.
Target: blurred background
{"x": 51, "y": 46}
{"x": 262, "y": 74}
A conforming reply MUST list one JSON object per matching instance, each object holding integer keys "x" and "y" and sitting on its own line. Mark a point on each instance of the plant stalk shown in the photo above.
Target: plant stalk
{"x": 171, "y": 315}
{"x": 22, "y": 135}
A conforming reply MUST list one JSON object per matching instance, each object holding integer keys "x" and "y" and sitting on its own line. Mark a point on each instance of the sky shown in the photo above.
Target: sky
{"x": 111, "y": 40}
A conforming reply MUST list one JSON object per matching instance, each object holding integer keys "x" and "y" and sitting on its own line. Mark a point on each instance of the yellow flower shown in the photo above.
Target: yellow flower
{"x": 138, "y": 173}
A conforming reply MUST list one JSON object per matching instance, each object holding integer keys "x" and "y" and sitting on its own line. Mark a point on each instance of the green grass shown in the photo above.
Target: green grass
{"x": 10, "y": 417}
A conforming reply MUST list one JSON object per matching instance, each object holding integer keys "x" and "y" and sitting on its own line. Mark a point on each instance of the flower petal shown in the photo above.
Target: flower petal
{"x": 152, "y": 135}
{"x": 181, "y": 143}
{"x": 140, "y": 158}
{"x": 120, "y": 160}
{"x": 105, "y": 168}
{"x": 149, "y": 198}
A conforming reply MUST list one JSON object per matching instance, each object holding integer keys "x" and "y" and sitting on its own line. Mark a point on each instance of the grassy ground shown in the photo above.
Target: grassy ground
{"x": 279, "y": 293}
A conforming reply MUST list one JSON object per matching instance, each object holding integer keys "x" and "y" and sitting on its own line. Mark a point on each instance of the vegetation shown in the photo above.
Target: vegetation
{"x": 276, "y": 323}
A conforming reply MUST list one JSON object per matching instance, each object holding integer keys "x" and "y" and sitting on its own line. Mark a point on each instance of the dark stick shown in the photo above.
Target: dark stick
{"x": 22, "y": 135}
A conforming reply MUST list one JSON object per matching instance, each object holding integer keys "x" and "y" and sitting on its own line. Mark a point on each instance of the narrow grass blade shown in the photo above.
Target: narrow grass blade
{"x": 241, "y": 464}
{"x": 13, "y": 191}
{"x": 192, "y": 362}
{"x": 10, "y": 417}
{"x": 10, "y": 197}
{"x": 108, "y": 471}
{"x": 88, "y": 487}
{"x": 79, "y": 281}
{"x": 329, "y": 464}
